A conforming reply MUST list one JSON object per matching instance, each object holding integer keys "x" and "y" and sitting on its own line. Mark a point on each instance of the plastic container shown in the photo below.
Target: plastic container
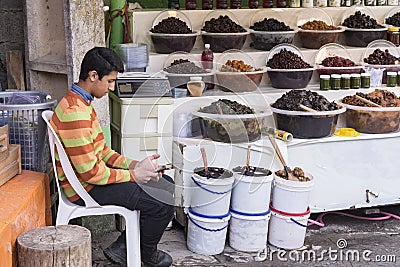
{"x": 314, "y": 39}
{"x": 134, "y": 55}
{"x": 180, "y": 80}
{"x": 166, "y": 43}
{"x": 361, "y": 37}
{"x": 248, "y": 232}
{"x": 288, "y": 78}
{"x": 382, "y": 45}
{"x": 22, "y": 112}
{"x": 265, "y": 40}
{"x": 211, "y": 196}
{"x": 304, "y": 124}
{"x": 206, "y": 235}
{"x": 238, "y": 81}
{"x": 233, "y": 128}
{"x": 219, "y": 42}
{"x": 373, "y": 120}
{"x": 331, "y": 50}
{"x": 251, "y": 194}
{"x": 291, "y": 196}
{"x": 287, "y": 231}
{"x": 388, "y": 17}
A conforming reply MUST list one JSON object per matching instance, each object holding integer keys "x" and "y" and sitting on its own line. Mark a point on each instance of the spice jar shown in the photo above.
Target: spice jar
{"x": 393, "y": 35}
{"x": 268, "y": 3}
{"x": 346, "y": 81}
{"x": 355, "y": 81}
{"x": 335, "y": 82}
{"x": 398, "y": 78}
{"x": 391, "y": 79}
{"x": 280, "y": 3}
{"x": 324, "y": 82}
{"x": 365, "y": 80}
{"x": 294, "y": 3}
{"x": 190, "y": 4}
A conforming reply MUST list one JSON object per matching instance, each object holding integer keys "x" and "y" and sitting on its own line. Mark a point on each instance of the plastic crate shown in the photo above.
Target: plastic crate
{"x": 22, "y": 112}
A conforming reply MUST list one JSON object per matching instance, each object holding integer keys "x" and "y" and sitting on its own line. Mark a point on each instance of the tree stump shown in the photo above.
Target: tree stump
{"x": 51, "y": 246}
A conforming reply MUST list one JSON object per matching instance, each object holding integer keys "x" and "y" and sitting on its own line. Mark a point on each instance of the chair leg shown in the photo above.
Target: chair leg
{"x": 62, "y": 217}
{"x": 133, "y": 240}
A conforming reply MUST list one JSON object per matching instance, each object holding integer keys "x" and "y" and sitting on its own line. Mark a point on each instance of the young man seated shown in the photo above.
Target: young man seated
{"x": 110, "y": 178}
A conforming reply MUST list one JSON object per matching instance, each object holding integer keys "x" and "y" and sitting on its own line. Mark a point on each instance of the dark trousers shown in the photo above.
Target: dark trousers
{"x": 154, "y": 200}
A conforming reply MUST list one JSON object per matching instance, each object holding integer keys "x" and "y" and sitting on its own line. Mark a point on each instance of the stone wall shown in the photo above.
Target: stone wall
{"x": 11, "y": 32}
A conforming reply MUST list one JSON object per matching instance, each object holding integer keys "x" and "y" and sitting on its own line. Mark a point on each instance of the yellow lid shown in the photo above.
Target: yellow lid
{"x": 347, "y": 132}
{"x": 393, "y": 29}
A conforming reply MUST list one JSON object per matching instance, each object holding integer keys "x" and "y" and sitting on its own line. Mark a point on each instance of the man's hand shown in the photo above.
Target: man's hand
{"x": 144, "y": 170}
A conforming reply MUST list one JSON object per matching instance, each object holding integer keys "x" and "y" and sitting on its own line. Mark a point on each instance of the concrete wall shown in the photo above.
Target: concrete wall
{"x": 11, "y": 32}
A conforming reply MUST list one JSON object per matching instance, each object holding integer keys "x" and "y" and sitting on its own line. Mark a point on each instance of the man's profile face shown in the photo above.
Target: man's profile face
{"x": 103, "y": 86}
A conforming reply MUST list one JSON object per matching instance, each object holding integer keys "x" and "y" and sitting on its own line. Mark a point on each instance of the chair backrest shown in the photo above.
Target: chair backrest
{"x": 66, "y": 165}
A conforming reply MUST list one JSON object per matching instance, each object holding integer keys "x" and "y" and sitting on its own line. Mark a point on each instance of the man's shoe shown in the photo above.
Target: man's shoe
{"x": 116, "y": 253}
{"x": 159, "y": 259}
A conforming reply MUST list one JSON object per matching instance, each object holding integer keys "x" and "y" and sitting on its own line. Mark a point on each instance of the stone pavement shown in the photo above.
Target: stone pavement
{"x": 361, "y": 242}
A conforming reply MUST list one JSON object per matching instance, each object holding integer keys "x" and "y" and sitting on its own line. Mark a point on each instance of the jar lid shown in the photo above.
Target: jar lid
{"x": 355, "y": 75}
{"x": 393, "y": 29}
{"x": 195, "y": 78}
{"x": 346, "y": 76}
{"x": 365, "y": 74}
{"x": 391, "y": 73}
{"x": 324, "y": 77}
{"x": 335, "y": 76}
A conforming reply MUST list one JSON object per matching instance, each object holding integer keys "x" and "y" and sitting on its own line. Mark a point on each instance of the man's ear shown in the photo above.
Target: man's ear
{"x": 93, "y": 75}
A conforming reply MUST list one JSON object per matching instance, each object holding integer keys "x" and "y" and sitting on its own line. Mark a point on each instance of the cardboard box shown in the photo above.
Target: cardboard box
{"x": 11, "y": 166}
{"x": 3, "y": 142}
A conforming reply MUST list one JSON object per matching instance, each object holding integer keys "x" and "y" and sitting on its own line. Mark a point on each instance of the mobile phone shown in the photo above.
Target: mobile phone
{"x": 164, "y": 167}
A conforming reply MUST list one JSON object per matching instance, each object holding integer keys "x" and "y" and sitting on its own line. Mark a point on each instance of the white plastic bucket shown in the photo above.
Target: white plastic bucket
{"x": 287, "y": 231}
{"x": 291, "y": 196}
{"x": 211, "y": 196}
{"x": 251, "y": 194}
{"x": 206, "y": 236}
{"x": 248, "y": 232}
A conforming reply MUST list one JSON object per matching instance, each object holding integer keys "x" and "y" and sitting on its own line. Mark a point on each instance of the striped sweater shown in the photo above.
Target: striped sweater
{"x": 77, "y": 126}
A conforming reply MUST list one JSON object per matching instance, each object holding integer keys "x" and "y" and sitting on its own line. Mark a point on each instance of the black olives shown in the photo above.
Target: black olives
{"x": 394, "y": 20}
{"x": 292, "y": 99}
{"x": 361, "y": 21}
{"x": 228, "y": 107}
{"x": 171, "y": 25}
{"x": 337, "y": 62}
{"x": 286, "y": 59}
{"x": 270, "y": 25}
{"x": 223, "y": 24}
{"x": 184, "y": 66}
{"x": 379, "y": 57}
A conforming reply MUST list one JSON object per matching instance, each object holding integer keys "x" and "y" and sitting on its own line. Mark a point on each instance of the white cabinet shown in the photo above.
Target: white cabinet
{"x": 349, "y": 172}
{"x": 141, "y": 127}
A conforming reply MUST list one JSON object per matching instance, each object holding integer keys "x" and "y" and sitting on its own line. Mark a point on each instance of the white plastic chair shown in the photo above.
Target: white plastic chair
{"x": 68, "y": 210}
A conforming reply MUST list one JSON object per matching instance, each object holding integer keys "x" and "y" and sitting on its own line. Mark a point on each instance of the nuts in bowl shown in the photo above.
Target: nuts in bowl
{"x": 237, "y": 72}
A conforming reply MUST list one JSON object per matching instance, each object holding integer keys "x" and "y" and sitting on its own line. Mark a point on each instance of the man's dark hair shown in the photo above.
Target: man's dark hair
{"x": 101, "y": 59}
